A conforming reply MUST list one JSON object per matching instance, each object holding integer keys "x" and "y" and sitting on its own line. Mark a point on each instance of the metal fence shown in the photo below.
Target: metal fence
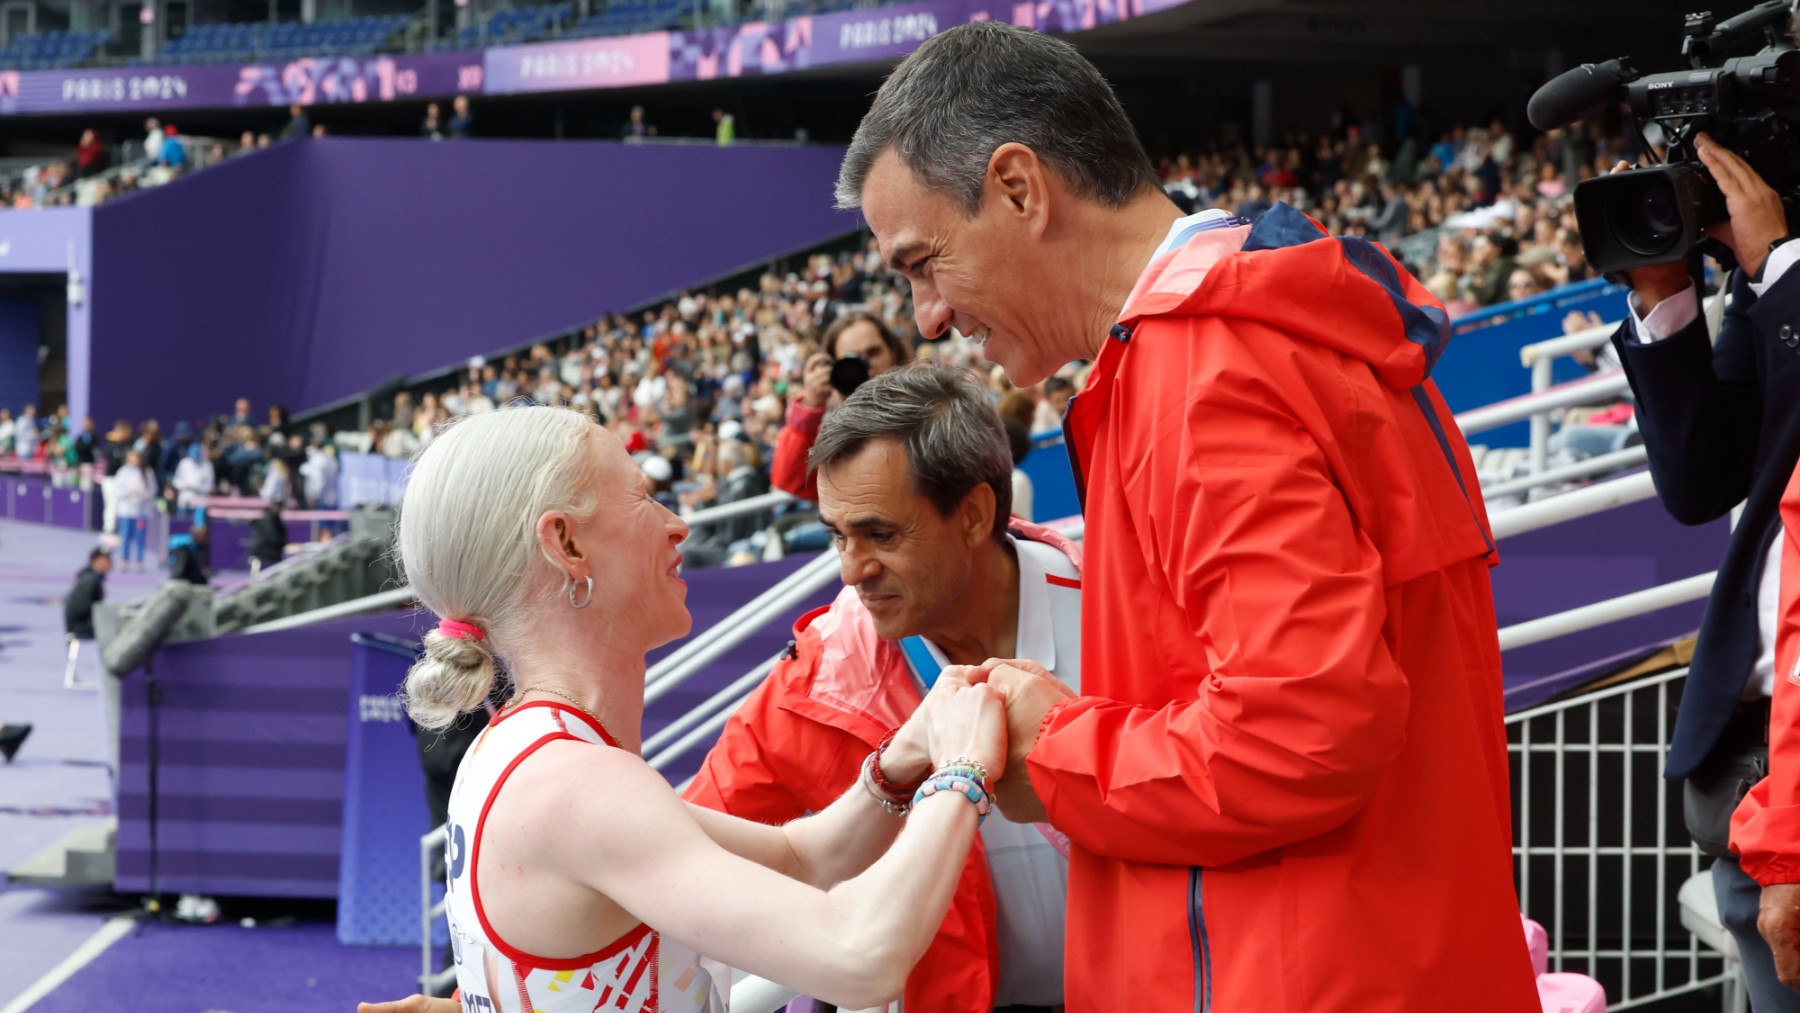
{"x": 1600, "y": 851}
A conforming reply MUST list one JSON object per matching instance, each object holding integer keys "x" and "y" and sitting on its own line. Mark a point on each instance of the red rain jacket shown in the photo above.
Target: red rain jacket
{"x": 1286, "y": 781}
{"x": 800, "y": 740}
{"x": 1765, "y": 830}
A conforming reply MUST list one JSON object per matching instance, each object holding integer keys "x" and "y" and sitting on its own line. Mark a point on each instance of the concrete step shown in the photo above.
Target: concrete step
{"x": 82, "y": 857}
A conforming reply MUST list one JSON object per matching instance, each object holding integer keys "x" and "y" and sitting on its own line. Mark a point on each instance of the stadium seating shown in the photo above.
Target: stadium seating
{"x": 49, "y": 50}
{"x": 624, "y": 17}
{"x": 210, "y": 43}
{"x": 512, "y": 25}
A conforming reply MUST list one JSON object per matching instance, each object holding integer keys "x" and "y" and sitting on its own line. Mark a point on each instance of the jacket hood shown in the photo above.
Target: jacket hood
{"x": 1345, "y": 292}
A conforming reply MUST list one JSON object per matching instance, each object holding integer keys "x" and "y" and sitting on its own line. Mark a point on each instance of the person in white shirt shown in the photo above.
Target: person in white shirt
{"x": 132, "y": 490}
{"x": 320, "y": 476}
{"x": 195, "y": 479}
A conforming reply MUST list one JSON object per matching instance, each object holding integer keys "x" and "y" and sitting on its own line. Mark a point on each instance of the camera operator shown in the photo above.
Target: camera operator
{"x": 1720, "y": 429}
{"x": 854, "y": 335}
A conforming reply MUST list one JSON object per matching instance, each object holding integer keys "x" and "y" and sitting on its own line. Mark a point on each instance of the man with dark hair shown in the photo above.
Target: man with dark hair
{"x": 915, "y": 486}
{"x": 1286, "y": 790}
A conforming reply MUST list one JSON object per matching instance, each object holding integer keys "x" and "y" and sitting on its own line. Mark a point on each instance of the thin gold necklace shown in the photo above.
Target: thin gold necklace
{"x": 566, "y": 695}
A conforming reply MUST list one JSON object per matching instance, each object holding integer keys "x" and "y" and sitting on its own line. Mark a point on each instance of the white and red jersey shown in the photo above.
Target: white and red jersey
{"x": 641, "y": 972}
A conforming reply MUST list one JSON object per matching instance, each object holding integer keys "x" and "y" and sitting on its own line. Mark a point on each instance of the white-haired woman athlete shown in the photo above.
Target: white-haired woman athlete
{"x": 578, "y": 880}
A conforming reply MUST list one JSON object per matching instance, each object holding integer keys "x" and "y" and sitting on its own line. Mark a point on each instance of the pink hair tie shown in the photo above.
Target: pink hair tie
{"x": 461, "y": 631}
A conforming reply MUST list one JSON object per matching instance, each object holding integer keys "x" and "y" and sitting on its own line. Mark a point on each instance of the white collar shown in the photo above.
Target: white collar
{"x": 1033, "y": 640}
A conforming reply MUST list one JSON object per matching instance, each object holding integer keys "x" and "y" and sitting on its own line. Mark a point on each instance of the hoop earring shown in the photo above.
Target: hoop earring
{"x": 583, "y": 603}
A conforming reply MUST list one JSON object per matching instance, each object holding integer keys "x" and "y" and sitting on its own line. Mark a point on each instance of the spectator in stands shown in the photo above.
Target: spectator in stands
{"x": 149, "y": 446}
{"x": 738, "y": 479}
{"x": 432, "y": 128}
{"x": 268, "y": 536}
{"x": 636, "y": 129}
{"x": 189, "y": 556}
{"x": 90, "y": 155}
{"x": 116, "y": 446}
{"x": 318, "y": 130}
{"x": 462, "y": 121}
{"x": 1716, "y": 422}
{"x": 174, "y": 151}
{"x": 244, "y": 461}
{"x": 86, "y": 445}
{"x": 153, "y": 140}
{"x": 1267, "y": 697}
{"x": 132, "y": 491}
{"x": 1049, "y": 414}
{"x": 299, "y": 125}
{"x": 8, "y": 432}
{"x": 241, "y": 413}
{"x": 25, "y": 433}
{"x": 854, "y": 335}
{"x": 89, "y": 590}
{"x": 277, "y": 483}
{"x": 320, "y": 474}
{"x": 724, "y": 127}
{"x": 1018, "y": 440}
{"x": 195, "y": 478}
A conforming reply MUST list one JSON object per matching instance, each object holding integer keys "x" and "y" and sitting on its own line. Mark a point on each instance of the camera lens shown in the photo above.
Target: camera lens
{"x": 1645, "y": 215}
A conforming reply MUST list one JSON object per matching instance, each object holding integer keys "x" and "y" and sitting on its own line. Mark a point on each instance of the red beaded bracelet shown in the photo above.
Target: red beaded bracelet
{"x": 901, "y": 793}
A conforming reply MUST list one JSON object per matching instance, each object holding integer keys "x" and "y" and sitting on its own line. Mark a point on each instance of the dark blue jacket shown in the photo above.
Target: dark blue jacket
{"x": 1721, "y": 423}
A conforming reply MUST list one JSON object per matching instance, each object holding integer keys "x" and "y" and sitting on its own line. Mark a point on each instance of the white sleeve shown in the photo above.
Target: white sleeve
{"x": 1668, "y": 316}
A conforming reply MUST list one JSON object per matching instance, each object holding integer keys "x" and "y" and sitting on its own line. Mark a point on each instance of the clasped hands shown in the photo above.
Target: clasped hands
{"x": 990, "y": 713}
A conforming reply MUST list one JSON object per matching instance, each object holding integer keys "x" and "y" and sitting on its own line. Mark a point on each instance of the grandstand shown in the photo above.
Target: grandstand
{"x": 360, "y": 290}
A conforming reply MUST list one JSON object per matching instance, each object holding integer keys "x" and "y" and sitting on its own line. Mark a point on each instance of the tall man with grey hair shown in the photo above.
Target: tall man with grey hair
{"x": 915, "y": 485}
{"x": 1286, "y": 787}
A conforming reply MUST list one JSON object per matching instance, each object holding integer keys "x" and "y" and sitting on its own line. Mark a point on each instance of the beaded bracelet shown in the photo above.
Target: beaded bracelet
{"x": 870, "y": 778}
{"x": 963, "y": 785}
{"x": 900, "y": 792}
{"x": 976, "y": 767}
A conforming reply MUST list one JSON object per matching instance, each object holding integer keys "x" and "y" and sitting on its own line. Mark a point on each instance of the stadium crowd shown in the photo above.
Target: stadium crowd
{"x": 1483, "y": 215}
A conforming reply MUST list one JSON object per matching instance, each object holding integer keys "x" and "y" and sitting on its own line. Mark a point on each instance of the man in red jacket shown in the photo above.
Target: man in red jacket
{"x": 1285, "y": 785}
{"x": 914, "y": 478}
{"x": 1765, "y": 830}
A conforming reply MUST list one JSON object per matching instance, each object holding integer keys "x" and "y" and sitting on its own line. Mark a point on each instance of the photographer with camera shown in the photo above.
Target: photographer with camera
{"x": 1718, "y": 425}
{"x": 858, "y": 346}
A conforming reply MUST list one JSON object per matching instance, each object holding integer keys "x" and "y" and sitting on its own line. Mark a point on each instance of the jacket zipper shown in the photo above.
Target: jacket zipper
{"x": 1202, "y": 946}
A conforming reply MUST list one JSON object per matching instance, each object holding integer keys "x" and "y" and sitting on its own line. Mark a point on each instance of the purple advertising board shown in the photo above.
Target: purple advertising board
{"x": 746, "y": 49}
{"x": 308, "y": 81}
{"x": 609, "y": 62}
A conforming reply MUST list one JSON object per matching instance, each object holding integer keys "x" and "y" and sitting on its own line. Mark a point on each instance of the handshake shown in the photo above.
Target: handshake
{"x": 989, "y": 713}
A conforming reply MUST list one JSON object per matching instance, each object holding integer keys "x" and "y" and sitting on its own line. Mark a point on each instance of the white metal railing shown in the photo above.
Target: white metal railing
{"x": 1601, "y": 464}
{"x": 1586, "y": 617}
{"x": 742, "y": 624}
{"x": 688, "y": 730}
{"x": 1582, "y": 502}
{"x": 1537, "y": 405}
{"x": 399, "y": 596}
{"x": 1597, "y": 833}
{"x": 755, "y": 504}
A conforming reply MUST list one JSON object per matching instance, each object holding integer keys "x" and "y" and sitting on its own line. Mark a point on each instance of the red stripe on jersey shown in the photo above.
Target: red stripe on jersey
{"x": 1062, "y": 581}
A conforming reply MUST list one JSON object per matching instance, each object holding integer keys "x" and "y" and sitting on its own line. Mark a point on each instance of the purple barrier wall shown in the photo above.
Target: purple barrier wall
{"x": 1587, "y": 560}
{"x": 316, "y": 270}
{"x": 253, "y": 735}
{"x": 33, "y": 499}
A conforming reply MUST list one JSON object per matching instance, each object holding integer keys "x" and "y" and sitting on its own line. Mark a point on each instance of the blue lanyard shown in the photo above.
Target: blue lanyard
{"x": 924, "y": 664}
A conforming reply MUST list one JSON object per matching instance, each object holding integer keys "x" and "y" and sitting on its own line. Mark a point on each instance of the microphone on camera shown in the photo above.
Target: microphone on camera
{"x": 1576, "y": 94}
